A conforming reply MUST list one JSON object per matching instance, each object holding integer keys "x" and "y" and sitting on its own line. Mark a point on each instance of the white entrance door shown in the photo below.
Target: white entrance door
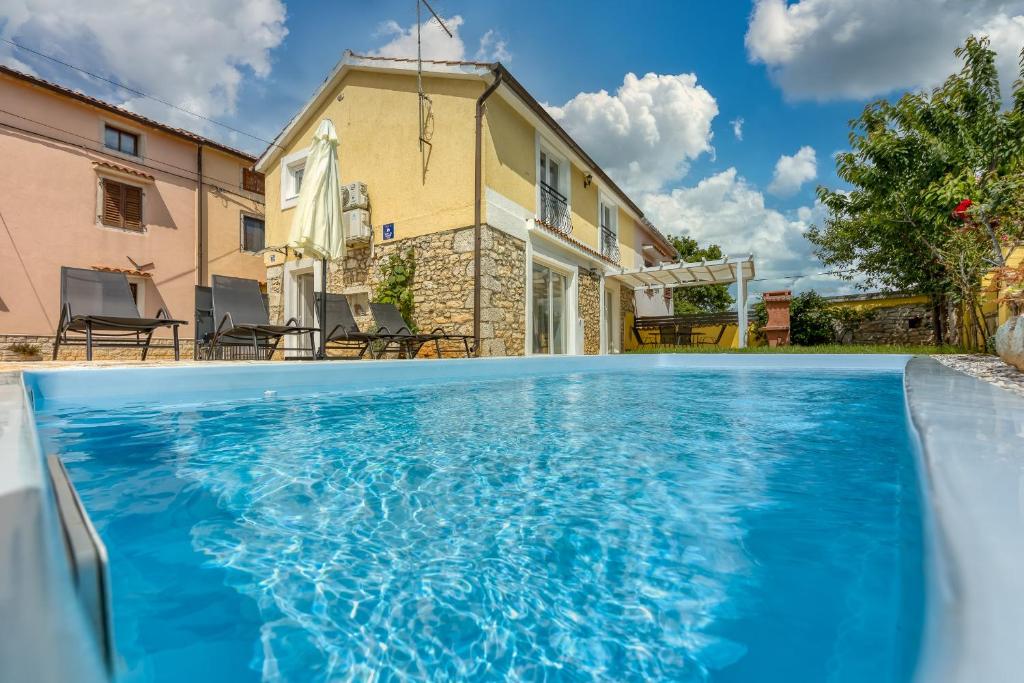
{"x": 548, "y": 310}
{"x": 301, "y": 309}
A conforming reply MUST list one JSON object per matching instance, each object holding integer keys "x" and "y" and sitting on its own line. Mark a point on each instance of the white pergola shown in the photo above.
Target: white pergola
{"x": 724, "y": 271}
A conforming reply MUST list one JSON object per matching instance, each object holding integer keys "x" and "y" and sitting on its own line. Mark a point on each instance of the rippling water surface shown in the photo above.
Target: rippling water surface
{"x": 685, "y": 526}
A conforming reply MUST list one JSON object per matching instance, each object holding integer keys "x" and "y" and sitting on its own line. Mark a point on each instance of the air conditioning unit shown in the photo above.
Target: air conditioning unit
{"x": 354, "y": 196}
{"x": 356, "y": 224}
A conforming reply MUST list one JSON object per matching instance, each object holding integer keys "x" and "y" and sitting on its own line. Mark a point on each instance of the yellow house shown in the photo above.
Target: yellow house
{"x": 517, "y": 234}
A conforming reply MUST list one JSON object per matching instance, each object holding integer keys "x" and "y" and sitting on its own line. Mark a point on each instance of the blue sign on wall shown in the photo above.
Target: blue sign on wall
{"x": 389, "y": 231}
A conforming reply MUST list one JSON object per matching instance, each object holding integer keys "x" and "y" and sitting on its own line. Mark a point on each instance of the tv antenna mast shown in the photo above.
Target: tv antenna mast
{"x": 425, "y": 101}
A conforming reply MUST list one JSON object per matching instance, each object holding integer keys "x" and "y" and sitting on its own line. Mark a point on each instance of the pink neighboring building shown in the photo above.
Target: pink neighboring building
{"x": 87, "y": 184}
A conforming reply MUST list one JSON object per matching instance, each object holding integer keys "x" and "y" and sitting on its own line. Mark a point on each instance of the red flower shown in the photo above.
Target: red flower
{"x": 961, "y": 209}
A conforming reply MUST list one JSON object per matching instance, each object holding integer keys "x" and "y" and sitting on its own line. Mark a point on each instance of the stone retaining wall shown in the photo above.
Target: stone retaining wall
{"x": 45, "y": 345}
{"x": 903, "y": 324}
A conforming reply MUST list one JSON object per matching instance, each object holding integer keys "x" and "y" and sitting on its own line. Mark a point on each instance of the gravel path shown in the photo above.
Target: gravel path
{"x": 989, "y": 368}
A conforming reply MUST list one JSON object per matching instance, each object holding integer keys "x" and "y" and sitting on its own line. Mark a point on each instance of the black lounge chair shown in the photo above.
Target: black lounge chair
{"x": 342, "y": 330}
{"x": 97, "y": 310}
{"x": 241, "y": 319}
{"x": 390, "y": 322}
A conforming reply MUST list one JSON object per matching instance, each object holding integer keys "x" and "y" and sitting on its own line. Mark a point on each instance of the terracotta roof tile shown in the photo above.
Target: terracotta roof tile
{"x": 122, "y": 169}
{"x": 126, "y": 271}
{"x": 575, "y": 243}
{"x": 121, "y": 111}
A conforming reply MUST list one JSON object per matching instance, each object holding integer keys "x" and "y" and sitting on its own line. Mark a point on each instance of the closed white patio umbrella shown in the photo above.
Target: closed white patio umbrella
{"x": 316, "y": 226}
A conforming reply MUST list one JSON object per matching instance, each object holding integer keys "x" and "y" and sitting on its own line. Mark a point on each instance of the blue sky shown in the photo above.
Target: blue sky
{"x": 794, "y": 73}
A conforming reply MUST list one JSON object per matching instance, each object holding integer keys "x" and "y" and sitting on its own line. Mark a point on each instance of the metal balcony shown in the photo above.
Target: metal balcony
{"x": 554, "y": 209}
{"x": 609, "y": 244}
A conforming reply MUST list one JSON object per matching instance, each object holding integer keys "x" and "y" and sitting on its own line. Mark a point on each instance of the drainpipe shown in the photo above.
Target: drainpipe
{"x": 477, "y": 201}
{"x": 200, "y": 246}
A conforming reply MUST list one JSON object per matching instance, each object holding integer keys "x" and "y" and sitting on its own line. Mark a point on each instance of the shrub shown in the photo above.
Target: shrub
{"x": 24, "y": 349}
{"x": 812, "y": 320}
{"x": 396, "y": 288}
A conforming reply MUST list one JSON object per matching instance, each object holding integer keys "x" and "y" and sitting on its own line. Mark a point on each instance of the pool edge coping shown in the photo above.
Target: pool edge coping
{"x": 972, "y": 451}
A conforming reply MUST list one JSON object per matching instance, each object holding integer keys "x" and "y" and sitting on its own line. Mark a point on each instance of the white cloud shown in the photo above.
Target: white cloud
{"x": 737, "y": 128}
{"x": 493, "y": 48}
{"x": 437, "y": 44}
{"x": 434, "y": 42}
{"x": 646, "y": 133}
{"x": 827, "y": 49}
{"x": 724, "y": 209}
{"x": 194, "y": 53}
{"x": 791, "y": 172}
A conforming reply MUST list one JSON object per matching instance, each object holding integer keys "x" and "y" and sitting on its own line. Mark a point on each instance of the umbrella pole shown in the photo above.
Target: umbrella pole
{"x": 322, "y": 351}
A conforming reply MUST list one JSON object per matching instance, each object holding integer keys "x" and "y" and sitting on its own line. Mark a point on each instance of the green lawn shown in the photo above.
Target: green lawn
{"x": 916, "y": 349}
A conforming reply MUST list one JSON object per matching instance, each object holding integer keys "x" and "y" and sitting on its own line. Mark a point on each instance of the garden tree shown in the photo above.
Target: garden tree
{"x": 905, "y": 224}
{"x": 703, "y": 299}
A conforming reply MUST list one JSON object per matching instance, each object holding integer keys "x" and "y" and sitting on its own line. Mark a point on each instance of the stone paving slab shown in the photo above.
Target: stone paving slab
{"x": 988, "y": 368}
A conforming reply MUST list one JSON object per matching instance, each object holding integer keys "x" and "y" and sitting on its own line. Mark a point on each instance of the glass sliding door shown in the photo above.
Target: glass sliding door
{"x": 548, "y": 310}
{"x": 541, "y": 309}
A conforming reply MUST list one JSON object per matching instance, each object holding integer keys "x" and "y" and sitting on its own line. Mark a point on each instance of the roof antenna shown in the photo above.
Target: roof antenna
{"x": 425, "y": 103}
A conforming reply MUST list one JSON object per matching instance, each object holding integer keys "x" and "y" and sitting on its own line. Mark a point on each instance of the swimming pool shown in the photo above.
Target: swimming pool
{"x": 676, "y": 523}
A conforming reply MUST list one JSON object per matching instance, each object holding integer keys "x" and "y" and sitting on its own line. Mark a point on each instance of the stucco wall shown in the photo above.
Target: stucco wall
{"x": 51, "y": 207}
{"x": 224, "y": 203}
{"x": 376, "y": 116}
{"x": 52, "y": 152}
{"x": 509, "y": 154}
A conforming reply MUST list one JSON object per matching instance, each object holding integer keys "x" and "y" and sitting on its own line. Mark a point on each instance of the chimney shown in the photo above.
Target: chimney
{"x": 777, "y": 305}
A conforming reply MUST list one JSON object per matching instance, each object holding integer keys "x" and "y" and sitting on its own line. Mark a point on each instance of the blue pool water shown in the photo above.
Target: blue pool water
{"x": 673, "y": 525}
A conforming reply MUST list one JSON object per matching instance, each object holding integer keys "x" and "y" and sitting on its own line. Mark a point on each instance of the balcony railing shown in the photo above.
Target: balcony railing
{"x": 609, "y": 244}
{"x": 554, "y": 209}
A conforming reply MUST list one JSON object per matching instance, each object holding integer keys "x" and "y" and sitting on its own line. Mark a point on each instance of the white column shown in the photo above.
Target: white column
{"x": 741, "y": 305}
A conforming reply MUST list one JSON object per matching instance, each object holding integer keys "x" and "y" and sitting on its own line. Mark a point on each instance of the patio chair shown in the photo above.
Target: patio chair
{"x": 97, "y": 310}
{"x": 390, "y": 322}
{"x": 342, "y": 330}
{"x": 241, "y": 319}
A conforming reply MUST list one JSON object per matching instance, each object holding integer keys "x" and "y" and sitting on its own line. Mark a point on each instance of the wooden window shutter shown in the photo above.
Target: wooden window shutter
{"x": 112, "y": 202}
{"x": 132, "y": 207}
{"x": 122, "y": 205}
{"x": 252, "y": 181}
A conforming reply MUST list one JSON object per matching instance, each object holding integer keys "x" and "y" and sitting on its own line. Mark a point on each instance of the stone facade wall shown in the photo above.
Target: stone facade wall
{"x": 904, "y": 324}
{"x": 442, "y": 285}
{"x": 45, "y": 345}
{"x": 627, "y": 311}
{"x": 590, "y": 311}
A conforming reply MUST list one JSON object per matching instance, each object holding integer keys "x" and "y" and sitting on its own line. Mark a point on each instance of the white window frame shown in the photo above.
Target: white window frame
{"x": 571, "y": 274}
{"x": 611, "y": 343}
{"x": 241, "y": 231}
{"x": 603, "y": 201}
{"x": 124, "y": 179}
{"x": 564, "y": 171}
{"x": 289, "y": 165}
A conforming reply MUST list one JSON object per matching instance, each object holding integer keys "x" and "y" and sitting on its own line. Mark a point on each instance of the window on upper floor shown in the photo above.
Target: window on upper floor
{"x": 608, "y": 217}
{"x": 253, "y": 234}
{"x": 293, "y": 168}
{"x": 553, "y": 181}
{"x": 253, "y": 181}
{"x": 121, "y": 140}
{"x": 121, "y": 205}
